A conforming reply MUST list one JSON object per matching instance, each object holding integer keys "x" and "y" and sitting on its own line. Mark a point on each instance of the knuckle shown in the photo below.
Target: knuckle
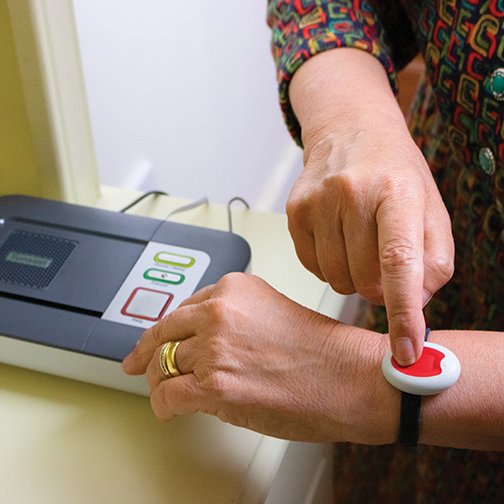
{"x": 305, "y": 197}
{"x": 446, "y": 268}
{"x": 160, "y": 405}
{"x": 394, "y": 191}
{"x": 397, "y": 256}
{"x": 449, "y": 269}
{"x": 232, "y": 280}
{"x": 400, "y": 318}
{"x": 299, "y": 201}
{"x": 344, "y": 184}
{"x": 214, "y": 386}
{"x": 442, "y": 269}
{"x": 294, "y": 202}
{"x": 394, "y": 184}
{"x": 217, "y": 315}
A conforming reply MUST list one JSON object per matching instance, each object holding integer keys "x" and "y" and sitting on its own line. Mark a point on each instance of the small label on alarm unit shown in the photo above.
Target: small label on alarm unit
{"x": 163, "y": 276}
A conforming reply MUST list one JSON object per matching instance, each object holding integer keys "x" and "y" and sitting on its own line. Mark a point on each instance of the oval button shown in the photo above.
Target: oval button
{"x": 174, "y": 259}
{"x": 497, "y": 84}
{"x": 487, "y": 161}
{"x": 164, "y": 276}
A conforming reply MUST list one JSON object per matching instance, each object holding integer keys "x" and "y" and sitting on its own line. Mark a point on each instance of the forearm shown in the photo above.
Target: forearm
{"x": 296, "y": 374}
{"x": 341, "y": 91}
{"x": 469, "y": 415}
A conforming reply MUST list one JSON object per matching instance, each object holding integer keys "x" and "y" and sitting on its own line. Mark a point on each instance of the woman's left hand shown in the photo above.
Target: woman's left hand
{"x": 256, "y": 359}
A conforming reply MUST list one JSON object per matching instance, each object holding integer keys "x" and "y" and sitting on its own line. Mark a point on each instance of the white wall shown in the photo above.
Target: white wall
{"x": 187, "y": 88}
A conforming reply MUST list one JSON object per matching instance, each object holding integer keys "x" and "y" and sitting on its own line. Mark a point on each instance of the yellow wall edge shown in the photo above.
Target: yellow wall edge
{"x": 19, "y": 171}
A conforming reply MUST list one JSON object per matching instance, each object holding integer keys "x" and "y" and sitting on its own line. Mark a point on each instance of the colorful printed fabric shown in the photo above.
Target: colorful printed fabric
{"x": 458, "y": 122}
{"x": 303, "y": 28}
{"x": 456, "y": 116}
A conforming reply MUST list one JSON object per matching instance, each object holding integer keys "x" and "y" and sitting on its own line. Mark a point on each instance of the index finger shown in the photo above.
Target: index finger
{"x": 179, "y": 324}
{"x": 401, "y": 250}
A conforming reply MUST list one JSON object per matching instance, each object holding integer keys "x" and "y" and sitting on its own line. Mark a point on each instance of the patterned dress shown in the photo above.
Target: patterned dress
{"x": 457, "y": 120}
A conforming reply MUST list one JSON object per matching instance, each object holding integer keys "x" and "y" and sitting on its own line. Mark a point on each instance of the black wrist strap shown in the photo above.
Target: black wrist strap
{"x": 409, "y": 425}
{"x": 410, "y": 419}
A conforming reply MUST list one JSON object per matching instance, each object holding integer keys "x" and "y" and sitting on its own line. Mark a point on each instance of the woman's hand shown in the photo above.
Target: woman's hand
{"x": 365, "y": 215}
{"x": 256, "y": 359}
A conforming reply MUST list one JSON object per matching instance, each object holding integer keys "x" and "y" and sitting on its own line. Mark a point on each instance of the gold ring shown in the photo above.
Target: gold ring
{"x": 167, "y": 359}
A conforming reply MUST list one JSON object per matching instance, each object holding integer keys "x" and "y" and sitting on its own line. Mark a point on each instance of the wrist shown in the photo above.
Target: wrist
{"x": 373, "y": 404}
{"x": 384, "y": 403}
{"x": 342, "y": 91}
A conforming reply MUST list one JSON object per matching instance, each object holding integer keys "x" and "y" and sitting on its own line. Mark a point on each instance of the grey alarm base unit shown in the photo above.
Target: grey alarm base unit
{"x": 79, "y": 285}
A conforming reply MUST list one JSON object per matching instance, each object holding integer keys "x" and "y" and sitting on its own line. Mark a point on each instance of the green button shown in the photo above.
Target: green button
{"x": 172, "y": 259}
{"x": 164, "y": 276}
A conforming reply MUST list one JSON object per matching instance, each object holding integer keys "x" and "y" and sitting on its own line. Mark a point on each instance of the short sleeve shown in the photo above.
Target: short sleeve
{"x": 304, "y": 28}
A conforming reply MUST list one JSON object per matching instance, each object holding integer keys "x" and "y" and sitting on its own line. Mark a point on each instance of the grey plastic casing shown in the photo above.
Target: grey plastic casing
{"x": 97, "y": 249}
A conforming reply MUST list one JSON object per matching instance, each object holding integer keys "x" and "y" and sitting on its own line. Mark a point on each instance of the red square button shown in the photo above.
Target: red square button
{"x": 147, "y": 304}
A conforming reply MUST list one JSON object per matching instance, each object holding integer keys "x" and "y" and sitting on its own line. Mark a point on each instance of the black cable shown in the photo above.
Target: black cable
{"x": 156, "y": 193}
{"x": 230, "y": 220}
{"x": 161, "y": 193}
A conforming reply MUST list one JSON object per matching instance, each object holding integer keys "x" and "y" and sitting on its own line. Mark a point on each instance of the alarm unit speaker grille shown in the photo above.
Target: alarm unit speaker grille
{"x": 32, "y": 259}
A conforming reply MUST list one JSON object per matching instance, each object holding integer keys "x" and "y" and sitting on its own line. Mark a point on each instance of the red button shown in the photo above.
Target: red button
{"x": 429, "y": 364}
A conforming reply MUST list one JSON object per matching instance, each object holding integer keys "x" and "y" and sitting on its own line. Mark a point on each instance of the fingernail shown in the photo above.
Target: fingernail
{"x": 404, "y": 352}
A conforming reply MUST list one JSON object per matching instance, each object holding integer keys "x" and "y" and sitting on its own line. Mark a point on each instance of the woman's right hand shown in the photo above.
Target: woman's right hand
{"x": 366, "y": 215}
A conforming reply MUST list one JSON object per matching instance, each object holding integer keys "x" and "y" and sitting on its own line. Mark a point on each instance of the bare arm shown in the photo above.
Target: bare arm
{"x": 471, "y": 413}
{"x": 256, "y": 359}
